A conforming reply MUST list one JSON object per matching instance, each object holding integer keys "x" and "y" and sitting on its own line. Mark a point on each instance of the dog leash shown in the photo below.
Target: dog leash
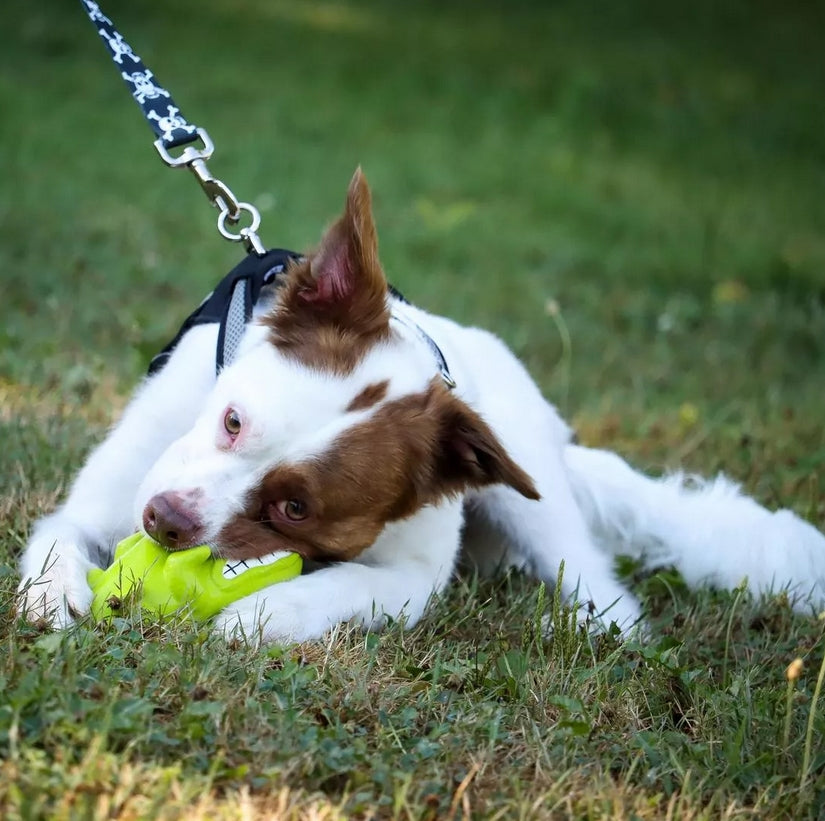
{"x": 174, "y": 131}
{"x": 231, "y": 303}
{"x": 181, "y": 144}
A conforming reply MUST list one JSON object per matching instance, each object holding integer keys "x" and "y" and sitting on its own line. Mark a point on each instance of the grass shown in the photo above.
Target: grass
{"x": 630, "y": 194}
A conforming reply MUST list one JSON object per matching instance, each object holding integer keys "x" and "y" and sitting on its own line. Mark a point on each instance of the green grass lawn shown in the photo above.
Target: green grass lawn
{"x": 657, "y": 173}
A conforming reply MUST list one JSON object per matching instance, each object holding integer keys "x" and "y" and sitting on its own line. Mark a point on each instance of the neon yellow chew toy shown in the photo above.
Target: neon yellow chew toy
{"x": 191, "y": 578}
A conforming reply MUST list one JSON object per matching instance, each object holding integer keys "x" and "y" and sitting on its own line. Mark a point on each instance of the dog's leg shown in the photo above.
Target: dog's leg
{"x": 708, "y": 529}
{"x": 484, "y": 548}
{"x": 552, "y": 530}
{"x": 393, "y": 579}
{"x": 97, "y": 514}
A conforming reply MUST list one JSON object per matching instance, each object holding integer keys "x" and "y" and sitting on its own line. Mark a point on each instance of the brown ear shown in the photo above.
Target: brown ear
{"x": 342, "y": 282}
{"x": 469, "y": 454}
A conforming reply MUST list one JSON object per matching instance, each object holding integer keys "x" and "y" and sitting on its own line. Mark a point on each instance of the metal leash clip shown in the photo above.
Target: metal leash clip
{"x": 173, "y": 130}
{"x": 219, "y": 194}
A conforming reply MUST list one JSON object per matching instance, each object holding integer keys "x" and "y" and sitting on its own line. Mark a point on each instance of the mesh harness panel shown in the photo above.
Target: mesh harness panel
{"x": 230, "y": 305}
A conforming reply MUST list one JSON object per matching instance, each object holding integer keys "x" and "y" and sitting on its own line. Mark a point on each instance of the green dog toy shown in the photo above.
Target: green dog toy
{"x": 185, "y": 578}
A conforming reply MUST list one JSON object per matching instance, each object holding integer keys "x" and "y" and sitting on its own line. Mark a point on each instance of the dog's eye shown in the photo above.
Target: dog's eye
{"x": 293, "y": 509}
{"x": 232, "y": 422}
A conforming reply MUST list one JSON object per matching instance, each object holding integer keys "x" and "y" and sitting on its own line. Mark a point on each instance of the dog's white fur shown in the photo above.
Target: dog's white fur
{"x": 592, "y": 507}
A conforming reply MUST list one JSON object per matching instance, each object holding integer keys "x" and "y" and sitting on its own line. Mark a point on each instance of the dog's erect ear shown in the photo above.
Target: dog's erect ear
{"x": 343, "y": 282}
{"x": 469, "y": 454}
{"x": 347, "y": 259}
{"x": 333, "y": 306}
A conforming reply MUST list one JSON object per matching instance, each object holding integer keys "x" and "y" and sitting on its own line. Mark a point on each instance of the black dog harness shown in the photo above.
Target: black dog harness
{"x": 231, "y": 304}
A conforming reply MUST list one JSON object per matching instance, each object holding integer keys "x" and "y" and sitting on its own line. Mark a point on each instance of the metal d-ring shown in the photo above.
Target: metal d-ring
{"x": 244, "y": 234}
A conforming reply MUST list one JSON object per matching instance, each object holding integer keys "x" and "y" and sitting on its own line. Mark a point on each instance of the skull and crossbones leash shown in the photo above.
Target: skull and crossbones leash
{"x": 231, "y": 303}
{"x": 182, "y": 144}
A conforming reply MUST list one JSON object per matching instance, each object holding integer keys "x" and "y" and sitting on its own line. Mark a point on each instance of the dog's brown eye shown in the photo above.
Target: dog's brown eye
{"x": 232, "y": 422}
{"x": 293, "y": 509}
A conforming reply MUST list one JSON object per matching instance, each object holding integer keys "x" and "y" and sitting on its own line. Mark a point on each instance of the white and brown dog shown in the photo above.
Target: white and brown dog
{"x": 334, "y": 435}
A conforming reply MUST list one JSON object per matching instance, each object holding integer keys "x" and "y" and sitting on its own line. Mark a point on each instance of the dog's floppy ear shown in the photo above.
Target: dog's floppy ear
{"x": 467, "y": 452}
{"x": 342, "y": 282}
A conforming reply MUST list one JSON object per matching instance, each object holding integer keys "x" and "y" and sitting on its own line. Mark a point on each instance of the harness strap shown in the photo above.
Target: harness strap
{"x": 157, "y": 105}
{"x": 401, "y": 318}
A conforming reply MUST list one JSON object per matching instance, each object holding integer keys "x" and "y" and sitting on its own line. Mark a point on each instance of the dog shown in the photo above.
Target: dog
{"x": 373, "y": 438}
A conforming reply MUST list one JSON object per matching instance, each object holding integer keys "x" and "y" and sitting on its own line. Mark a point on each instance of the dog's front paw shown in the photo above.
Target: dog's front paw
{"x": 55, "y": 589}
{"x": 57, "y": 596}
{"x": 254, "y": 620}
{"x": 283, "y": 614}
{"x": 241, "y": 621}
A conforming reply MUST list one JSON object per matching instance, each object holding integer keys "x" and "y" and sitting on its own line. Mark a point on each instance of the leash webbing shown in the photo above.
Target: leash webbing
{"x": 156, "y": 103}
{"x": 172, "y": 131}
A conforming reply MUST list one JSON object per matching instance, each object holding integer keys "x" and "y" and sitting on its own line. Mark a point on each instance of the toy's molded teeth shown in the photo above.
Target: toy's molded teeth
{"x": 235, "y": 567}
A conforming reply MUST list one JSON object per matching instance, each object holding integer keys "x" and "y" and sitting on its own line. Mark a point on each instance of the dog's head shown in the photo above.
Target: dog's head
{"x": 331, "y": 424}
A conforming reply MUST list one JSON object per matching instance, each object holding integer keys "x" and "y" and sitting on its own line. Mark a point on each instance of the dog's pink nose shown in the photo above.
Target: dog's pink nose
{"x": 170, "y": 522}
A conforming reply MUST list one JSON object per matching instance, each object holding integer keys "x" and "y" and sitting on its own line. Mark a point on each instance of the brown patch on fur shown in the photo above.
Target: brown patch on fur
{"x": 412, "y": 452}
{"x": 371, "y": 395}
{"x": 333, "y": 306}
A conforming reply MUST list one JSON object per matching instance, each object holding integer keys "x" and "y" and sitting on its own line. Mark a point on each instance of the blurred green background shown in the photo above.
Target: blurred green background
{"x": 657, "y": 172}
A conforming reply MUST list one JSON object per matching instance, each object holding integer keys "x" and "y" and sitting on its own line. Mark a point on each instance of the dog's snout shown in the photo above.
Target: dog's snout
{"x": 171, "y": 522}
